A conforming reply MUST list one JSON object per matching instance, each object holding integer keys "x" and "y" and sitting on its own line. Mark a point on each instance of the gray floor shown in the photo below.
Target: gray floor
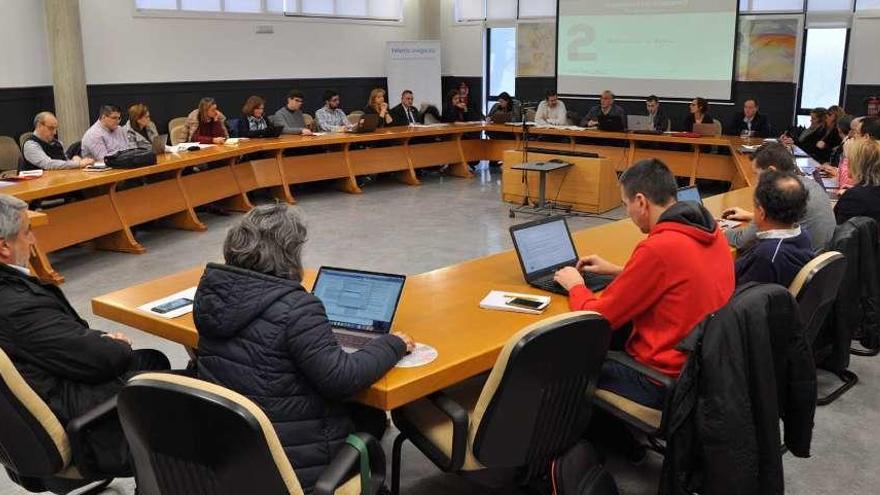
{"x": 392, "y": 227}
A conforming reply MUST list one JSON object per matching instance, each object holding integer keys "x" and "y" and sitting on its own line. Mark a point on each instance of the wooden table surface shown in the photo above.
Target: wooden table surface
{"x": 439, "y": 308}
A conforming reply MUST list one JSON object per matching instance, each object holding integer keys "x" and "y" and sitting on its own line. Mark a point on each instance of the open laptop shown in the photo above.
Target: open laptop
{"x": 273, "y": 131}
{"x": 500, "y": 118}
{"x": 543, "y": 247}
{"x": 639, "y": 123}
{"x": 692, "y": 193}
{"x": 830, "y": 184}
{"x": 367, "y": 123}
{"x": 612, "y": 123}
{"x": 359, "y": 304}
{"x": 158, "y": 143}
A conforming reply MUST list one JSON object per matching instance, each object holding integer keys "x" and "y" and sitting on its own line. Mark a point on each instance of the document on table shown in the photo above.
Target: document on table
{"x": 177, "y": 304}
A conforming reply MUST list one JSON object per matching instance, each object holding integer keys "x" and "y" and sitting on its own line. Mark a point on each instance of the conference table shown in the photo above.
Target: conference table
{"x": 439, "y": 308}
{"x": 102, "y": 207}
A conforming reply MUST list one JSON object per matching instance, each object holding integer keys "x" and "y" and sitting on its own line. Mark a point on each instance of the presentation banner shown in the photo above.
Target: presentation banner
{"x": 414, "y": 65}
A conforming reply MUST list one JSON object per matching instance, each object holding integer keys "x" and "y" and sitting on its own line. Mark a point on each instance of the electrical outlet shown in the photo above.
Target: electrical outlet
{"x": 264, "y": 29}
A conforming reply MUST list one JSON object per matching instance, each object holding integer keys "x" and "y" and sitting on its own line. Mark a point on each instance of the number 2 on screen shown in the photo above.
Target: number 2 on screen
{"x": 582, "y": 36}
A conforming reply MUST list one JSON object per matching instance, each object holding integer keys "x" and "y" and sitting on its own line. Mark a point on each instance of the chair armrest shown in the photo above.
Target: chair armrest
{"x": 628, "y": 361}
{"x": 77, "y": 432}
{"x": 347, "y": 464}
{"x": 460, "y": 422}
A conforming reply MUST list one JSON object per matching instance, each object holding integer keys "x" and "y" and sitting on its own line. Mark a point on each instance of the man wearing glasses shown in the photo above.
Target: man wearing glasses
{"x": 105, "y": 137}
{"x": 44, "y": 151}
{"x": 330, "y": 117}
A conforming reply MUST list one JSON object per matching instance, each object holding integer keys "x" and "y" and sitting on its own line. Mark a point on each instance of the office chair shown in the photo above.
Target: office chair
{"x": 535, "y": 403}
{"x": 188, "y": 436}
{"x": 530, "y": 114}
{"x": 176, "y": 121}
{"x": 355, "y": 117}
{"x": 856, "y": 312}
{"x": 37, "y": 452}
{"x": 178, "y": 134}
{"x": 10, "y": 154}
{"x": 815, "y": 287}
{"x": 24, "y": 137}
{"x": 75, "y": 149}
{"x": 309, "y": 121}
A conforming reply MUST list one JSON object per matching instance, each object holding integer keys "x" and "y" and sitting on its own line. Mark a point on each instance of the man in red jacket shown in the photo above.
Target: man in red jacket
{"x": 679, "y": 274}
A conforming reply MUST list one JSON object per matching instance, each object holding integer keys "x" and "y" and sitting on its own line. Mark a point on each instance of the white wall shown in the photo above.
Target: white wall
{"x": 862, "y": 66}
{"x": 462, "y": 45}
{"x": 25, "y": 58}
{"x": 122, "y": 48}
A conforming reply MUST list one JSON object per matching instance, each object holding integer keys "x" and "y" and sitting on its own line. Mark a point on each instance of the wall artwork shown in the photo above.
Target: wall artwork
{"x": 536, "y": 49}
{"x": 768, "y": 49}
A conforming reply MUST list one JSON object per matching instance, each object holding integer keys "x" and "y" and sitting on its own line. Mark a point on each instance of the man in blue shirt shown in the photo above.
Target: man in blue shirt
{"x": 782, "y": 248}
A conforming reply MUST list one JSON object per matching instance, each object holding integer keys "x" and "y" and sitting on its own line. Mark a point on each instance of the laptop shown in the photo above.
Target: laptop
{"x": 611, "y": 123}
{"x": 707, "y": 129}
{"x": 158, "y": 143}
{"x": 500, "y": 118}
{"x": 544, "y": 246}
{"x": 692, "y": 193}
{"x": 830, "y": 184}
{"x": 359, "y": 304}
{"x": 639, "y": 123}
{"x": 273, "y": 131}
{"x": 367, "y": 123}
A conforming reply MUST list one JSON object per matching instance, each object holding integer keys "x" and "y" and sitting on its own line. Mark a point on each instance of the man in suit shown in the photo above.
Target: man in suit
{"x": 749, "y": 120}
{"x": 659, "y": 120}
{"x": 70, "y": 366}
{"x": 406, "y": 113}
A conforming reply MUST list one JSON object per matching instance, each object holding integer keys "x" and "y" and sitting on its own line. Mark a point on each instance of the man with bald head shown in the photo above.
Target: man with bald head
{"x": 606, "y": 107}
{"x": 44, "y": 151}
{"x": 782, "y": 248}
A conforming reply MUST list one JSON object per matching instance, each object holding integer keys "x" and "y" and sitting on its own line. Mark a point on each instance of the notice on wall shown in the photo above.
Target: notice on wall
{"x": 414, "y": 65}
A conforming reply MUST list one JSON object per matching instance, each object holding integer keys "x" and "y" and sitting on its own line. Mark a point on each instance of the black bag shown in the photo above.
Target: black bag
{"x": 131, "y": 158}
{"x": 579, "y": 472}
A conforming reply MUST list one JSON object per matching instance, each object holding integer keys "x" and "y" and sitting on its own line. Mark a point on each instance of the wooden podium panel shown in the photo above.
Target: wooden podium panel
{"x": 589, "y": 186}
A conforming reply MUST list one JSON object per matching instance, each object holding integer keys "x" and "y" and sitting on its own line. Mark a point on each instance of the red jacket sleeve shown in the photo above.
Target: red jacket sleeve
{"x": 637, "y": 288}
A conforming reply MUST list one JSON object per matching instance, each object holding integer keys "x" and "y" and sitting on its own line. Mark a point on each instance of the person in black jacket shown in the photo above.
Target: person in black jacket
{"x": 863, "y": 199}
{"x": 262, "y": 334}
{"x": 70, "y": 366}
{"x": 749, "y": 120}
{"x": 456, "y": 110}
{"x": 253, "y": 122}
{"x": 782, "y": 248}
{"x": 698, "y": 113}
{"x": 406, "y": 113}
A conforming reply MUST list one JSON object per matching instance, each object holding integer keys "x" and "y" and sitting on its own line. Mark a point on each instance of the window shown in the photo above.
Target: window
{"x": 771, "y": 5}
{"x": 867, "y": 4}
{"x": 384, "y": 10}
{"x": 502, "y": 61}
{"x": 495, "y": 10}
{"x": 829, "y": 5}
{"x": 822, "y": 77}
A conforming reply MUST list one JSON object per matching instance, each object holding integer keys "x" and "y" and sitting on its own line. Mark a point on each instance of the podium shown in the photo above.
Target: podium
{"x": 587, "y": 185}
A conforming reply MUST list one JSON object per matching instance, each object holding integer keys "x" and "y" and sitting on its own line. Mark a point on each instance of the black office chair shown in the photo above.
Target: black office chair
{"x": 189, "y": 436}
{"x": 815, "y": 287}
{"x": 75, "y": 149}
{"x": 37, "y": 452}
{"x": 535, "y": 403}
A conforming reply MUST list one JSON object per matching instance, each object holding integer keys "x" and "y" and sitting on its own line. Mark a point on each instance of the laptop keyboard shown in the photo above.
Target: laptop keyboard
{"x": 593, "y": 281}
{"x": 352, "y": 341}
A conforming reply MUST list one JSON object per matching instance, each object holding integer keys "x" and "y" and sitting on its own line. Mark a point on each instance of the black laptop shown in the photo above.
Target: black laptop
{"x": 611, "y": 123}
{"x": 367, "y": 123}
{"x": 543, "y": 247}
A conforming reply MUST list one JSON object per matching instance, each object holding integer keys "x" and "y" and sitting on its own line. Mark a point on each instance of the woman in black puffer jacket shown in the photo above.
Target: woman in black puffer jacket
{"x": 263, "y": 335}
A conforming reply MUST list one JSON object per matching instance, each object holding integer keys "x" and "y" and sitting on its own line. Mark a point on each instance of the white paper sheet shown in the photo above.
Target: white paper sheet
{"x": 186, "y": 293}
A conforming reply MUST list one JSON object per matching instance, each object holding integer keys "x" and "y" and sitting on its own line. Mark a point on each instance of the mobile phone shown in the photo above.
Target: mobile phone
{"x": 522, "y": 302}
{"x": 171, "y": 305}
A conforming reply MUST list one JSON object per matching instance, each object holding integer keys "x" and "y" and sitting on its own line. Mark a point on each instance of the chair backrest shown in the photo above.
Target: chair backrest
{"x": 309, "y": 121}
{"x": 10, "y": 154}
{"x": 537, "y": 400}
{"x": 75, "y": 149}
{"x": 189, "y": 436}
{"x": 430, "y": 118}
{"x": 355, "y": 117}
{"x": 32, "y": 440}
{"x": 178, "y": 134}
{"x": 530, "y": 114}
{"x": 815, "y": 288}
{"x": 176, "y": 121}
{"x": 24, "y": 137}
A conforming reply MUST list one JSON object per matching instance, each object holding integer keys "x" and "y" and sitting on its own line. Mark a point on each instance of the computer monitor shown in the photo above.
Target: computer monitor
{"x": 611, "y": 123}
{"x": 359, "y": 300}
{"x": 689, "y": 193}
{"x": 543, "y": 246}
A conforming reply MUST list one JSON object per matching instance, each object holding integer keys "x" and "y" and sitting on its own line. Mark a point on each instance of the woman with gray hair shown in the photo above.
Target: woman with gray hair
{"x": 263, "y": 335}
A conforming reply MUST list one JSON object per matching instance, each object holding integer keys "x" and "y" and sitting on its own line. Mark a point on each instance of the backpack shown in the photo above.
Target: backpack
{"x": 131, "y": 158}
{"x": 579, "y": 471}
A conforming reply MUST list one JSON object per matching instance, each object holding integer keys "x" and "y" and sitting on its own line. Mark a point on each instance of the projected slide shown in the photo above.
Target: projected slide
{"x": 671, "y": 48}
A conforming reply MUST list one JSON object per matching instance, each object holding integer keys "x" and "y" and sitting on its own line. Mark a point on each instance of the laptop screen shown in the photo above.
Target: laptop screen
{"x": 690, "y": 193}
{"x": 544, "y": 245}
{"x": 357, "y": 300}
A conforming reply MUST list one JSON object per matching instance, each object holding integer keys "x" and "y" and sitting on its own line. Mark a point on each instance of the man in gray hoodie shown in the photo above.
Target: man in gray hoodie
{"x": 290, "y": 117}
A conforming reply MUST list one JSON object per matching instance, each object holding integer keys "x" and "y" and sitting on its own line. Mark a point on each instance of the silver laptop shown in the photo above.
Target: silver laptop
{"x": 639, "y": 123}
{"x": 158, "y": 143}
{"x": 360, "y": 305}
